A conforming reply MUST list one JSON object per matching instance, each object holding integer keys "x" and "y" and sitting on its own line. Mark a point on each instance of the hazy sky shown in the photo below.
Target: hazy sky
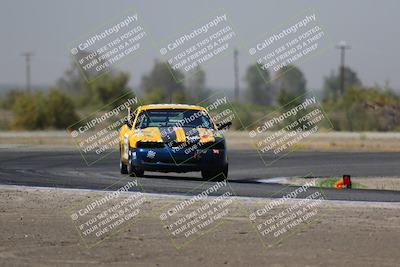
{"x": 47, "y": 27}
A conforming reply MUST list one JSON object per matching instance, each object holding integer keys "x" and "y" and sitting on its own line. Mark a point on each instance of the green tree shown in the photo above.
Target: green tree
{"x": 331, "y": 85}
{"x": 35, "y": 110}
{"x": 285, "y": 97}
{"x": 161, "y": 81}
{"x": 109, "y": 87}
{"x": 60, "y": 109}
{"x": 178, "y": 97}
{"x": 288, "y": 101}
{"x": 102, "y": 88}
{"x": 196, "y": 85}
{"x": 154, "y": 96}
{"x": 10, "y": 97}
{"x": 73, "y": 81}
{"x": 290, "y": 79}
{"x": 30, "y": 112}
{"x": 258, "y": 90}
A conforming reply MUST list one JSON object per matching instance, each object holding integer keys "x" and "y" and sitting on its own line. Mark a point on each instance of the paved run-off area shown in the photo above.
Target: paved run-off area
{"x": 36, "y": 229}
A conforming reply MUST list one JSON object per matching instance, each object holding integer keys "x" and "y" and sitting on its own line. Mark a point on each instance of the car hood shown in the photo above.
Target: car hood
{"x": 176, "y": 134}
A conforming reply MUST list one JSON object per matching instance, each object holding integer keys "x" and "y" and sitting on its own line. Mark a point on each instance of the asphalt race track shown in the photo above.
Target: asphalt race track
{"x": 65, "y": 168}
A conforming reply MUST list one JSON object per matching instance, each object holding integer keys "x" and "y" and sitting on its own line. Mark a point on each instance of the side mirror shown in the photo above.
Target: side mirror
{"x": 221, "y": 126}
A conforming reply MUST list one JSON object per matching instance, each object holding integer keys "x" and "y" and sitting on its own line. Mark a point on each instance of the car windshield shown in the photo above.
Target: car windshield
{"x": 173, "y": 118}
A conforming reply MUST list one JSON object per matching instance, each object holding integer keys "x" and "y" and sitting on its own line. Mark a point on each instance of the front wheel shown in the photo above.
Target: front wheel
{"x": 131, "y": 170}
{"x": 215, "y": 175}
{"x": 123, "y": 168}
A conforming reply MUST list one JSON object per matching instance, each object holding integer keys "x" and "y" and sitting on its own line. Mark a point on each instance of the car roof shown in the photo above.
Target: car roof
{"x": 171, "y": 106}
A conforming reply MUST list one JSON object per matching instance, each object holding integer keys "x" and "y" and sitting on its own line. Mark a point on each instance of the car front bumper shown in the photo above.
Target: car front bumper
{"x": 169, "y": 160}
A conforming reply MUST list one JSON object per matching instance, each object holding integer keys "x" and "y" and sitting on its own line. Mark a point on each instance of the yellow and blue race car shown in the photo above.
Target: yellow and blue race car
{"x": 173, "y": 138}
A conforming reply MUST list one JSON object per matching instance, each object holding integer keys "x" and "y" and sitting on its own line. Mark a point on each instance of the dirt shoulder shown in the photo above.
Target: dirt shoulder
{"x": 330, "y": 141}
{"x": 378, "y": 183}
{"x": 36, "y": 229}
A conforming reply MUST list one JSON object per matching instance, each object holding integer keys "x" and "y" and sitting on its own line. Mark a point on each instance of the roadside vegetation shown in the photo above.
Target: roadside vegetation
{"x": 39, "y": 110}
{"x": 357, "y": 108}
{"x": 330, "y": 183}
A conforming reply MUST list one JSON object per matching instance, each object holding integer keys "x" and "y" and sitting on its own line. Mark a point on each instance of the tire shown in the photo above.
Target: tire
{"x": 132, "y": 171}
{"x": 137, "y": 173}
{"x": 122, "y": 167}
{"x": 215, "y": 175}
